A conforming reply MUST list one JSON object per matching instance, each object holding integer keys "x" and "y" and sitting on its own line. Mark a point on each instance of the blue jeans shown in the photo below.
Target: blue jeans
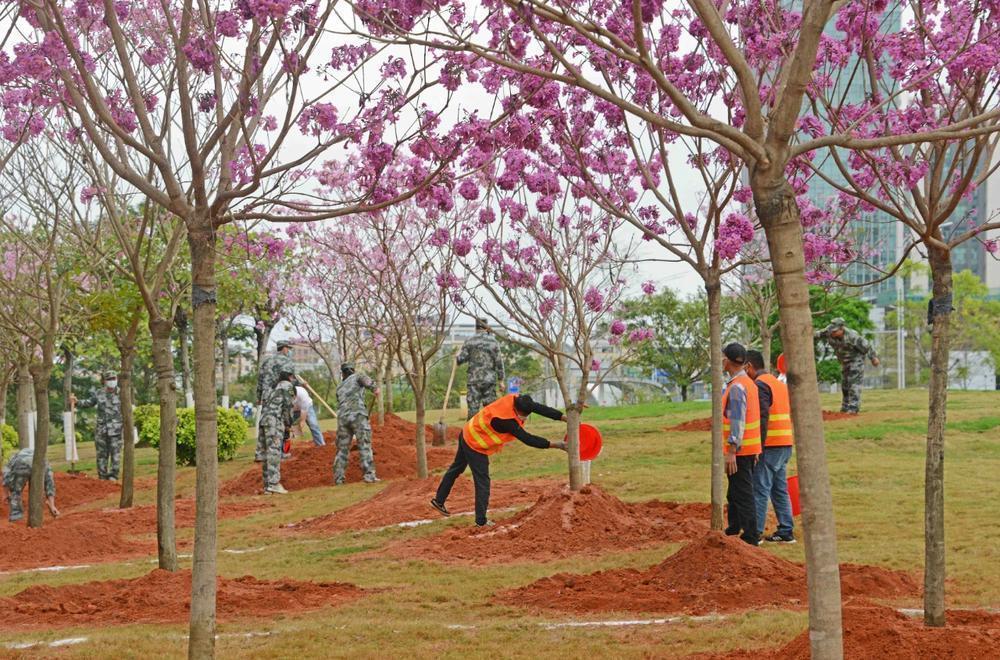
{"x": 313, "y": 424}
{"x": 771, "y": 483}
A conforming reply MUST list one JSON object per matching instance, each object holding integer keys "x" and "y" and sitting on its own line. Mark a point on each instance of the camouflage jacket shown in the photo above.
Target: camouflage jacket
{"x": 270, "y": 369}
{"x": 482, "y": 352}
{"x": 20, "y": 465}
{"x": 109, "y": 407}
{"x": 351, "y": 395}
{"x": 277, "y": 407}
{"x": 849, "y": 348}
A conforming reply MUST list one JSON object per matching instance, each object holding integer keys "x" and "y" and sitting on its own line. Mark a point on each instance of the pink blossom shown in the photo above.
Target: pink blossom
{"x": 648, "y": 287}
{"x": 640, "y": 334}
{"x": 469, "y": 190}
{"x": 551, "y": 282}
{"x": 618, "y": 327}
{"x": 735, "y": 231}
{"x": 88, "y": 193}
{"x": 594, "y": 300}
{"x": 595, "y": 365}
{"x": 462, "y": 246}
{"x": 440, "y": 237}
{"x": 199, "y": 52}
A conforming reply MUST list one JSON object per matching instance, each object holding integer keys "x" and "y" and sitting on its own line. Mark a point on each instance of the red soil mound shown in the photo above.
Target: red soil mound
{"x": 104, "y": 535}
{"x": 561, "y": 524}
{"x": 705, "y": 423}
{"x": 697, "y": 580}
{"x": 875, "y": 631}
{"x": 407, "y": 501}
{"x": 393, "y": 444}
{"x": 163, "y": 597}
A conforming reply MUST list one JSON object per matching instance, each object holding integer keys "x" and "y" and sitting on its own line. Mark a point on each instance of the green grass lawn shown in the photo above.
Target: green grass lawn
{"x": 425, "y": 609}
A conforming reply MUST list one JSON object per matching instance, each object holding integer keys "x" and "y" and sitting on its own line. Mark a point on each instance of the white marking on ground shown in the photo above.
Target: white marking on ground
{"x": 243, "y": 551}
{"x": 46, "y": 569}
{"x": 69, "y": 641}
{"x": 631, "y": 622}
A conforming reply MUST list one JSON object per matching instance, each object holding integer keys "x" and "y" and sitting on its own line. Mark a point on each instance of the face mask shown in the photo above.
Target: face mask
{"x": 111, "y": 384}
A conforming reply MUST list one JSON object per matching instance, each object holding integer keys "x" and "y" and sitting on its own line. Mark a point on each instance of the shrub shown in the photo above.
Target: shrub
{"x": 232, "y": 431}
{"x": 9, "y": 435}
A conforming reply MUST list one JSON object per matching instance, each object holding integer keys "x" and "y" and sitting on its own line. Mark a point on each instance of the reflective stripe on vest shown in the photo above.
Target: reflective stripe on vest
{"x": 751, "y": 430}
{"x": 779, "y": 420}
{"x": 479, "y": 434}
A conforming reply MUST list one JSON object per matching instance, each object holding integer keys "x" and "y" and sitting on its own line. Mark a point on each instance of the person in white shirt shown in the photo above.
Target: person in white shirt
{"x": 304, "y": 405}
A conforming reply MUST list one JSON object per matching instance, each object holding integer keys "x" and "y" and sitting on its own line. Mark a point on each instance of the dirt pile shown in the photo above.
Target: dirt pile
{"x": 72, "y": 490}
{"x": 407, "y": 501}
{"x": 561, "y": 524}
{"x": 164, "y": 597}
{"x": 698, "y": 579}
{"x": 875, "y": 631}
{"x": 104, "y": 535}
{"x": 705, "y": 423}
{"x": 393, "y": 444}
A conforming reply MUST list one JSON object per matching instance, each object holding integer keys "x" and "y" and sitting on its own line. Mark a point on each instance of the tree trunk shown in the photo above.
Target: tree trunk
{"x": 262, "y": 336}
{"x": 389, "y": 404}
{"x": 4, "y": 384}
{"x": 684, "y": 392}
{"x": 713, "y": 289}
{"x": 934, "y": 551}
{"x": 573, "y": 447}
{"x": 159, "y": 330}
{"x": 181, "y": 322}
{"x": 225, "y": 369}
{"x": 765, "y": 346}
{"x": 420, "y": 403}
{"x": 36, "y": 495}
{"x": 775, "y": 204}
{"x": 127, "y": 357}
{"x": 25, "y": 394}
{"x": 380, "y": 404}
{"x": 202, "y": 240}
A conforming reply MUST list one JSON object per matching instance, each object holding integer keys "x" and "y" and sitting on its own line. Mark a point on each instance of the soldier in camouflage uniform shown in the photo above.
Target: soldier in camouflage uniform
{"x": 482, "y": 352}
{"x": 16, "y": 475}
{"x": 275, "y": 419}
{"x": 108, "y": 440}
{"x": 352, "y": 421}
{"x": 270, "y": 368}
{"x": 851, "y": 349}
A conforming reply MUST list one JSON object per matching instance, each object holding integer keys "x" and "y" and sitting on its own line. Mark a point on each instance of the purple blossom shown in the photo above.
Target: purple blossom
{"x": 462, "y": 246}
{"x": 594, "y": 300}
{"x": 648, "y": 287}
{"x": 469, "y": 190}
{"x": 618, "y": 327}
{"x": 640, "y": 335}
{"x": 551, "y": 282}
{"x": 440, "y": 237}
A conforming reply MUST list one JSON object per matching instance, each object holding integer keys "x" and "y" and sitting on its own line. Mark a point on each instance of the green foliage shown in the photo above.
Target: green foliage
{"x": 521, "y": 362}
{"x": 829, "y": 371}
{"x": 9, "y": 439}
{"x": 232, "y": 431}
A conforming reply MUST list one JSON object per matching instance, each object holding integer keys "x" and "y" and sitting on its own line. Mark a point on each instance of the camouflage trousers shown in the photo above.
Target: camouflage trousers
{"x": 348, "y": 428}
{"x": 17, "y": 479}
{"x": 478, "y": 395}
{"x": 108, "y": 445}
{"x": 850, "y": 386}
{"x": 272, "y": 433}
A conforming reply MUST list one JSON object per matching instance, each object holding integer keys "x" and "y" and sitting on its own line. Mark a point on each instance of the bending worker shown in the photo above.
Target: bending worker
{"x": 485, "y": 434}
{"x": 17, "y": 474}
{"x": 770, "y": 478}
{"x": 851, "y": 350}
{"x": 740, "y": 442}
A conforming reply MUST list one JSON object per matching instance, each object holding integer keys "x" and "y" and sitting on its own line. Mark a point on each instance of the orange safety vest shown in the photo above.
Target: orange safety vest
{"x": 779, "y": 417}
{"x": 480, "y": 436}
{"x": 751, "y": 430}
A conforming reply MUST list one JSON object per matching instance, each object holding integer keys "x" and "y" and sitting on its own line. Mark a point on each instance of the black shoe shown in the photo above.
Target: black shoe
{"x": 488, "y": 523}
{"x": 440, "y": 507}
{"x": 778, "y": 538}
{"x": 733, "y": 532}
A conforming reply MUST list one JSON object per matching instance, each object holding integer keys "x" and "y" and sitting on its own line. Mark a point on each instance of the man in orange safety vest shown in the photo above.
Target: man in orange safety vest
{"x": 740, "y": 442}
{"x": 770, "y": 478}
{"x": 484, "y": 435}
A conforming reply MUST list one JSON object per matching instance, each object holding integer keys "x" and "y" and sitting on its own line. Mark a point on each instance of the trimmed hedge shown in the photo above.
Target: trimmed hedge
{"x": 232, "y": 431}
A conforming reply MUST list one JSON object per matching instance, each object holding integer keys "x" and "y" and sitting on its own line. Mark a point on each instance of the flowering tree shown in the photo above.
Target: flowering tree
{"x": 737, "y": 75}
{"x": 207, "y": 97}
{"x": 941, "y": 68}
{"x": 551, "y": 277}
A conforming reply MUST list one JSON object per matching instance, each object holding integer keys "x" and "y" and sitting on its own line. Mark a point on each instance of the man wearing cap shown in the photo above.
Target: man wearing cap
{"x": 16, "y": 475}
{"x": 495, "y": 425}
{"x": 108, "y": 440}
{"x": 267, "y": 378}
{"x": 352, "y": 422}
{"x": 741, "y": 443}
{"x": 770, "y": 478}
{"x": 851, "y": 350}
{"x": 275, "y": 418}
{"x": 482, "y": 352}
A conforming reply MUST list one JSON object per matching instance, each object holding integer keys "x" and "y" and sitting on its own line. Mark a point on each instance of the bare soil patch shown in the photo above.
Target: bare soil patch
{"x": 408, "y": 500}
{"x": 698, "y": 579}
{"x": 561, "y": 524}
{"x": 393, "y": 444}
{"x": 103, "y": 535}
{"x": 164, "y": 597}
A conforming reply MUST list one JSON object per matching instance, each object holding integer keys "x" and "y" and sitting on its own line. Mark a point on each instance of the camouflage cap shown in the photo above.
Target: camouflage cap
{"x": 285, "y": 373}
{"x": 284, "y": 343}
{"x": 838, "y": 323}
{"x": 109, "y": 374}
